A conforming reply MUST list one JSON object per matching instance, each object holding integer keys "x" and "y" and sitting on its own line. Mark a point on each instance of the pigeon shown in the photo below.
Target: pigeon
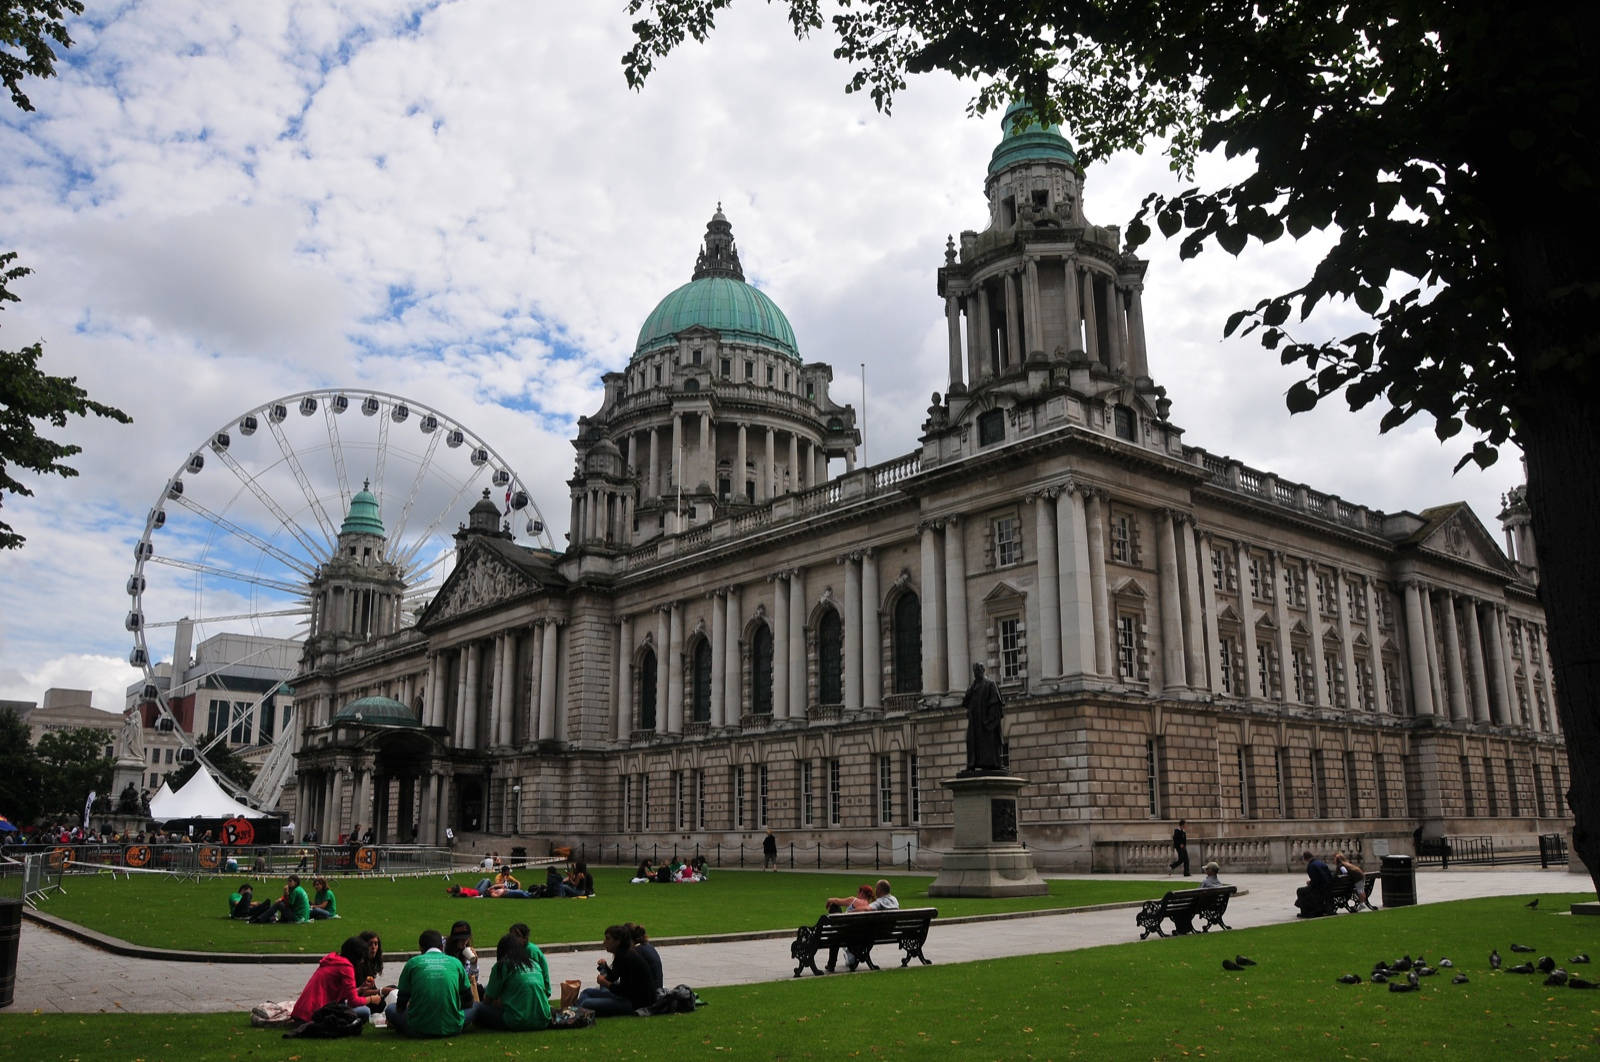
{"x": 1231, "y": 966}
{"x": 1580, "y": 958}
{"x": 1411, "y": 978}
{"x": 1533, "y": 904}
{"x": 1379, "y": 977}
{"x": 1578, "y": 982}
{"x": 1424, "y": 971}
{"x": 1558, "y": 976}
{"x": 1545, "y": 964}
{"x": 1242, "y": 961}
{"x": 1445, "y": 964}
{"x": 1494, "y": 959}
{"x": 1351, "y": 979}
{"x": 1403, "y": 965}
{"x": 1524, "y": 968}
{"x": 1459, "y": 979}
{"x": 1380, "y": 967}
{"x": 1401, "y": 986}
{"x": 1522, "y": 949}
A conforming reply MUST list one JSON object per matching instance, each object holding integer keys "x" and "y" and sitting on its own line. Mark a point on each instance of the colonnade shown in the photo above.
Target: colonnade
{"x": 361, "y": 612}
{"x": 762, "y": 456}
{"x": 514, "y": 712}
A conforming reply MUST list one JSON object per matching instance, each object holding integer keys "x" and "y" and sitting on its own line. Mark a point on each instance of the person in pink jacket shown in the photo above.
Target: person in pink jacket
{"x": 334, "y": 982}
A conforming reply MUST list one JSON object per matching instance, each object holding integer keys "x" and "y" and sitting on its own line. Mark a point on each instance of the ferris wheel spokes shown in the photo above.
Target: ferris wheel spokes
{"x": 416, "y": 482}
{"x": 405, "y": 558}
{"x": 329, "y": 529}
{"x": 319, "y": 553}
{"x": 330, "y": 412}
{"x": 283, "y": 557}
{"x": 383, "y": 449}
{"x": 201, "y": 620}
{"x": 297, "y": 590}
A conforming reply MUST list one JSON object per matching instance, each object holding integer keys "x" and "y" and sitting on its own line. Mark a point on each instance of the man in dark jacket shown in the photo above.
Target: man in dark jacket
{"x": 1180, "y": 847}
{"x": 1312, "y": 897}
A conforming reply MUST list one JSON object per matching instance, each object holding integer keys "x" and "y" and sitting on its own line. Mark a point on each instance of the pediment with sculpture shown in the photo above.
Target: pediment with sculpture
{"x": 480, "y": 581}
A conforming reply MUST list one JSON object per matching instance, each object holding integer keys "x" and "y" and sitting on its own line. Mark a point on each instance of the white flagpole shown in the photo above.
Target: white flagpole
{"x": 863, "y": 414}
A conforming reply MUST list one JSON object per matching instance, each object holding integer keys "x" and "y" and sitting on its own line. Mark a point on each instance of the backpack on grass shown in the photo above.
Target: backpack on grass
{"x": 330, "y": 1022}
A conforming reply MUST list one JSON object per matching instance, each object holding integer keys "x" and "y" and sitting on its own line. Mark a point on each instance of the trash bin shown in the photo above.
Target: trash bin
{"x": 1399, "y": 878}
{"x": 10, "y": 937}
{"x": 519, "y": 855}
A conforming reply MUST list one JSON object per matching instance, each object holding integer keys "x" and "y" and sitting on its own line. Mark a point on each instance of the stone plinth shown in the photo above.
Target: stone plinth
{"x": 988, "y": 858}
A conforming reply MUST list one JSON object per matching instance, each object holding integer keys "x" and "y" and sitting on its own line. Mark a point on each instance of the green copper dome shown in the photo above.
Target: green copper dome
{"x": 377, "y": 711}
{"x": 719, "y": 298}
{"x": 1035, "y": 143}
{"x": 363, "y": 517}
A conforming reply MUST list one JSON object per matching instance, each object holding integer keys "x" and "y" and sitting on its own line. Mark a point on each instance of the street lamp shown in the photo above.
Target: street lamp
{"x": 516, "y": 807}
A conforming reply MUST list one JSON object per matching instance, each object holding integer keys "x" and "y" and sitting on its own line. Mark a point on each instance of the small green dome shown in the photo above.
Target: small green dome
{"x": 363, "y": 517}
{"x": 741, "y": 313}
{"x": 377, "y": 711}
{"x": 1035, "y": 143}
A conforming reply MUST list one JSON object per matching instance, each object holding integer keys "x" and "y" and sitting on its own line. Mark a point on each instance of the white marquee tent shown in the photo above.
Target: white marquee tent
{"x": 199, "y": 798}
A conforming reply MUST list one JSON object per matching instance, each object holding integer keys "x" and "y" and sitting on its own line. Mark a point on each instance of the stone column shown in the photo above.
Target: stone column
{"x": 1194, "y": 645}
{"x": 1070, "y": 291}
{"x": 1079, "y": 629}
{"x": 1280, "y": 615}
{"x": 852, "y": 631}
{"x": 1208, "y": 604}
{"x": 496, "y": 652}
{"x": 769, "y": 469}
{"x": 458, "y": 724}
{"x": 719, "y": 657}
{"x": 1010, "y": 290}
{"x": 1247, "y": 622}
{"x": 952, "y": 318}
{"x": 1030, "y": 305}
{"x": 1119, "y": 353}
{"x": 1099, "y": 599}
{"x": 780, "y": 646}
{"x": 706, "y": 457}
{"x": 1138, "y": 358}
{"x": 469, "y": 710}
{"x": 1091, "y": 332}
{"x": 797, "y": 643}
{"x": 653, "y": 476}
{"x": 1452, "y": 659}
{"x": 955, "y": 605}
{"x": 1050, "y": 637}
{"x": 871, "y": 644}
{"x": 1499, "y": 695}
{"x": 974, "y": 347}
{"x": 1435, "y": 665}
{"x": 1173, "y": 677}
{"x": 1547, "y": 681}
{"x": 633, "y": 453}
{"x": 931, "y": 588}
{"x": 662, "y": 666}
{"x": 1508, "y": 696}
{"x": 1321, "y": 695}
{"x": 430, "y": 708}
{"x": 531, "y": 728}
{"x": 795, "y": 483}
{"x": 1480, "y": 678}
{"x": 430, "y": 810}
{"x": 625, "y": 678}
{"x": 741, "y": 460}
{"x": 675, "y": 669}
{"x": 547, "y": 682}
{"x": 1417, "y": 652}
{"x": 732, "y": 692}
{"x": 1380, "y": 688}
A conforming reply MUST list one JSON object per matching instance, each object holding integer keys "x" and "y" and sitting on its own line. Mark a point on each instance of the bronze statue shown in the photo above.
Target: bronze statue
{"x": 983, "y": 706}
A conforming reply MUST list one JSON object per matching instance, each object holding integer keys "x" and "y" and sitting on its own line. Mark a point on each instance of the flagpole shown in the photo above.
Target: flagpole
{"x": 863, "y": 414}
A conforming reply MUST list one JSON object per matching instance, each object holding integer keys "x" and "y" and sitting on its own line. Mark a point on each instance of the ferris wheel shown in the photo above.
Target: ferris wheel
{"x": 237, "y": 532}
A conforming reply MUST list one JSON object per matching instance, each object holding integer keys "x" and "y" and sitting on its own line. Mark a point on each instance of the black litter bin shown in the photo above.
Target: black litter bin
{"x": 1399, "y": 881}
{"x": 10, "y": 937}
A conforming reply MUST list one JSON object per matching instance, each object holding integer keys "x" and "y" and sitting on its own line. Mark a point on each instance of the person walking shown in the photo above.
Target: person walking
{"x": 769, "y": 851}
{"x": 1180, "y": 847}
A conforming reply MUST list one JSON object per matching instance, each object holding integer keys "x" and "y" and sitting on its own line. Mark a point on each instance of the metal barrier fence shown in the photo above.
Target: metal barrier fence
{"x": 845, "y": 856}
{"x": 1482, "y": 851}
{"x": 195, "y": 861}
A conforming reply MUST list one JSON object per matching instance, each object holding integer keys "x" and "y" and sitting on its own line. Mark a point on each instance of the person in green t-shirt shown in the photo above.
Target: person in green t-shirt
{"x": 433, "y": 992}
{"x": 324, "y": 904}
{"x": 518, "y": 995}
{"x": 295, "y": 905}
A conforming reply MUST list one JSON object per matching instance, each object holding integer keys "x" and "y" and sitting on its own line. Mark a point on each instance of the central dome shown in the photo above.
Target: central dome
{"x": 719, "y": 298}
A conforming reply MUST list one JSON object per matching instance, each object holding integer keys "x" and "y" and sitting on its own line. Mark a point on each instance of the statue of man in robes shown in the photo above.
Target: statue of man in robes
{"x": 130, "y": 743}
{"x": 983, "y": 706}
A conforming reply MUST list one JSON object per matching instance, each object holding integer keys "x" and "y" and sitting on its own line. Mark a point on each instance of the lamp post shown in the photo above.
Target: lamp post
{"x": 516, "y": 808}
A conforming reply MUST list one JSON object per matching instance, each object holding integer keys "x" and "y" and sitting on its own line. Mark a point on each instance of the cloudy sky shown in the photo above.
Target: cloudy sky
{"x": 461, "y": 203}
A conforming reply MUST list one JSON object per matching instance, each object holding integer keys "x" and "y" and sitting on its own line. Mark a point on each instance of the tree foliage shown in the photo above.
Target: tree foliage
{"x": 27, "y": 28}
{"x": 19, "y": 771}
{"x": 223, "y": 760}
{"x": 72, "y": 764}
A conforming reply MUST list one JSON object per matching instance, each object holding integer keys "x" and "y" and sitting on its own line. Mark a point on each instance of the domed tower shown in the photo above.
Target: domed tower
{"x": 483, "y": 521}
{"x": 716, "y": 411}
{"x": 356, "y": 594}
{"x": 1040, "y": 284}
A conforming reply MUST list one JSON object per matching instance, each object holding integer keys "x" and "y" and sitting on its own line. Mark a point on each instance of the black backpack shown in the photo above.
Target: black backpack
{"x": 330, "y": 1022}
{"x": 679, "y": 1000}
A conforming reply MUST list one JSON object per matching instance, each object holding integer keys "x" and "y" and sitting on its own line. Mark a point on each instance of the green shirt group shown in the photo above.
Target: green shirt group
{"x": 524, "y": 994}
{"x": 434, "y": 985}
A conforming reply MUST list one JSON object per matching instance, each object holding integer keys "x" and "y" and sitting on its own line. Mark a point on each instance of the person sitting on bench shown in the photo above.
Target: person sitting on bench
{"x": 1312, "y": 897}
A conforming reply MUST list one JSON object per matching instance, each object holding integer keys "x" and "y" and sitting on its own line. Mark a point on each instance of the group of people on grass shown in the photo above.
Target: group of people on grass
{"x": 504, "y": 885}
{"x": 294, "y": 905}
{"x": 670, "y": 871}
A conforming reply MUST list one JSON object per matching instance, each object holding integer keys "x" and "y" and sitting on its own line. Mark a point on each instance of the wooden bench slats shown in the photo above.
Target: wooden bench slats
{"x": 1182, "y": 908}
{"x": 859, "y": 931}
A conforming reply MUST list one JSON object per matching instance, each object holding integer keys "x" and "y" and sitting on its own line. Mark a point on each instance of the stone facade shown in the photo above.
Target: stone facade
{"x": 737, "y": 639}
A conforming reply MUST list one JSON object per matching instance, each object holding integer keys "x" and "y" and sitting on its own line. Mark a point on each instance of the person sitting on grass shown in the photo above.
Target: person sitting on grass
{"x": 323, "y": 904}
{"x": 433, "y": 992}
{"x": 335, "y": 982}
{"x": 463, "y": 892}
{"x": 647, "y": 951}
{"x": 503, "y": 884}
{"x": 578, "y": 882}
{"x": 518, "y": 995}
{"x": 459, "y": 945}
{"x": 371, "y": 968}
{"x": 624, "y": 985}
{"x": 293, "y": 906}
{"x": 644, "y": 875}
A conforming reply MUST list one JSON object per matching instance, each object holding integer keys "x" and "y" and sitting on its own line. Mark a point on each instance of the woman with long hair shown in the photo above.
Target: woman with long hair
{"x": 334, "y": 982}
{"x": 518, "y": 994}
{"x": 459, "y": 945}
{"x": 624, "y": 985}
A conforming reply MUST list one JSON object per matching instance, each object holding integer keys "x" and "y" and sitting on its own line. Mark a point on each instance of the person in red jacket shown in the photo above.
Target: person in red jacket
{"x": 335, "y": 982}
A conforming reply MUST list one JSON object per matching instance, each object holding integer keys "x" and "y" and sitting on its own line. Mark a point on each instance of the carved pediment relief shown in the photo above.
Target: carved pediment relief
{"x": 1461, "y": 536}
{"x": 481, "y": 581}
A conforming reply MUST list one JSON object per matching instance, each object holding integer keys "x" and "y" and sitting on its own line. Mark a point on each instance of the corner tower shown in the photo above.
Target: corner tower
{"x": 357, "y": 593}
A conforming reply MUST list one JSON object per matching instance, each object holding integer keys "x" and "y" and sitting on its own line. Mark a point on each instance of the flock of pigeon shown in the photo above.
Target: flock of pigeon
{"x": 1405, "y": 974}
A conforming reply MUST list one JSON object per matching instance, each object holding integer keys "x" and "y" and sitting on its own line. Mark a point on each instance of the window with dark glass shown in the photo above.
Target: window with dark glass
{"x": 908, "y": 644}
{"x": 991, "y": 427}
{"x": 830, "y": 659}
{"x": 1122, "y": 422}
{"x": 647, "y": 690}
{"x": 701, "y": 703}
{"x": 761, "y": 671}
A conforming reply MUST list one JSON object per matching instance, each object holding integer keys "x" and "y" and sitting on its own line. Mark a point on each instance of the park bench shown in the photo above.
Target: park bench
{"x": 1182, "y": 908}
{"x": 1344, "y": 897}
{"x": 859, "y": 931}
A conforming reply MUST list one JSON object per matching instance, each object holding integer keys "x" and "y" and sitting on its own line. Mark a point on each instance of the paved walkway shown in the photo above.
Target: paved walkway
{"x": 58, "y": 973}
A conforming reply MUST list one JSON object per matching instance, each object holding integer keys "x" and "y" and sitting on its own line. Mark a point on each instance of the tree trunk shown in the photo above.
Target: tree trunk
{"x": 1560, "y": 437}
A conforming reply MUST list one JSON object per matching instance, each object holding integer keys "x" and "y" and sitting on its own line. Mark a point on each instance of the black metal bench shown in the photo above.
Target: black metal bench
{"x": 1346, "y": 896}
{"x": 859, "y": 931}
{"x": 1182, "y": 908}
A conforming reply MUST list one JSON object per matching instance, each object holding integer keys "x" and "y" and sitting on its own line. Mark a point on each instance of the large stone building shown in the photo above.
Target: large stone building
{"x": 746, "y": 630}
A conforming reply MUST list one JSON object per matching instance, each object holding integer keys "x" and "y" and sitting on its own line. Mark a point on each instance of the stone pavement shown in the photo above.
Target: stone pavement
{"x": 58, "y": 973}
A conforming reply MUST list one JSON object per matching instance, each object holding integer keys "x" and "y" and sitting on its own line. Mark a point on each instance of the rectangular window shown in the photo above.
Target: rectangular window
{"x": 1538, "y": 790}
{"x": 1489, "y": 788}
{"x": 726, "y": 367}
{"x": 680, "y": 808}
{"x": 657, "y": 374}
{"x": 1512, "y": 788}
{"x": 1244, "y": 785}
{"x": 153, "y": 782}
{"x": 1127, "y": 648}
{"x": 1152, "y": 776}
{"x": 772, "y": 375}
{"x": 694, "y": 356}
{"x": 700, "y": 799}
{"x": 762, "y": 793}
{"x": 1121, "y": 538}
{"x": 1467, "y": 795}
{"x": 885, "y": 790}
{"x": 1352, "y": 799}
{"x": 835, "y": 796}
{"x": 1319, "y": 783}
{"x": 1380, "y": 781}
{"x": 1007, "y": 542}
{"x": 738, "y": 795}
{"x": 1280, "y": 767}
{"x": 1010, "y": 648}
{"x": 217, "y": 718}
{"x": 1224, "y": 573}
{"x": 644, "y": 801}
{"x": 155, "y": 755}
{"x": 1225, "y": 664}
{"x": 913, "y": 795}
{"x": 807, "y": 807}
{"x": 1302, "y": 677}
{"x": 1333, "y": 678}
{"x": 749, "y": 369}
{"x": 627, "y": 804}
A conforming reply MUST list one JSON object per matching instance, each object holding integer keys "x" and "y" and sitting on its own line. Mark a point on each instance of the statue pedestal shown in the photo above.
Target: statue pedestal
{"x": 123, "y": 772}
{"x": 988, "y": 859}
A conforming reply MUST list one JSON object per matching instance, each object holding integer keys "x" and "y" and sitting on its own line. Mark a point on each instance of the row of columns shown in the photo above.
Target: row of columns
{"x": 535, "y": 705}
{"x": 601, "y": 515}
{"x": 807, "y": 462}
{"x": 362, "y": 612}
{"x": 1482, "y": 687}
{"x": 1086, "y": 294}
{"x": 423, "y": 799}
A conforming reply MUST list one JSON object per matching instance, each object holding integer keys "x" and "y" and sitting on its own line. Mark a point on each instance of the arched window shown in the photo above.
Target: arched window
{"x": 761, "y": 671}
{"x": 830, "y": 659}
{"x": 647, "y": 690}
{"x": 700, "y": 704}
{"x": 908, "y": 644}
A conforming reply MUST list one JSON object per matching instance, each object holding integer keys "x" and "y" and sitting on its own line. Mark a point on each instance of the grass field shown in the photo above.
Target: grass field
{"x": 162, "y": 912}
{"x": 1156, "y": 999}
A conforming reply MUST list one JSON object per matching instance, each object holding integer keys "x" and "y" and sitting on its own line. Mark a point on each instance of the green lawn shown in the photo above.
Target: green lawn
{"x": 162, "y": 912}
{"x": 1155, "y": 999}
